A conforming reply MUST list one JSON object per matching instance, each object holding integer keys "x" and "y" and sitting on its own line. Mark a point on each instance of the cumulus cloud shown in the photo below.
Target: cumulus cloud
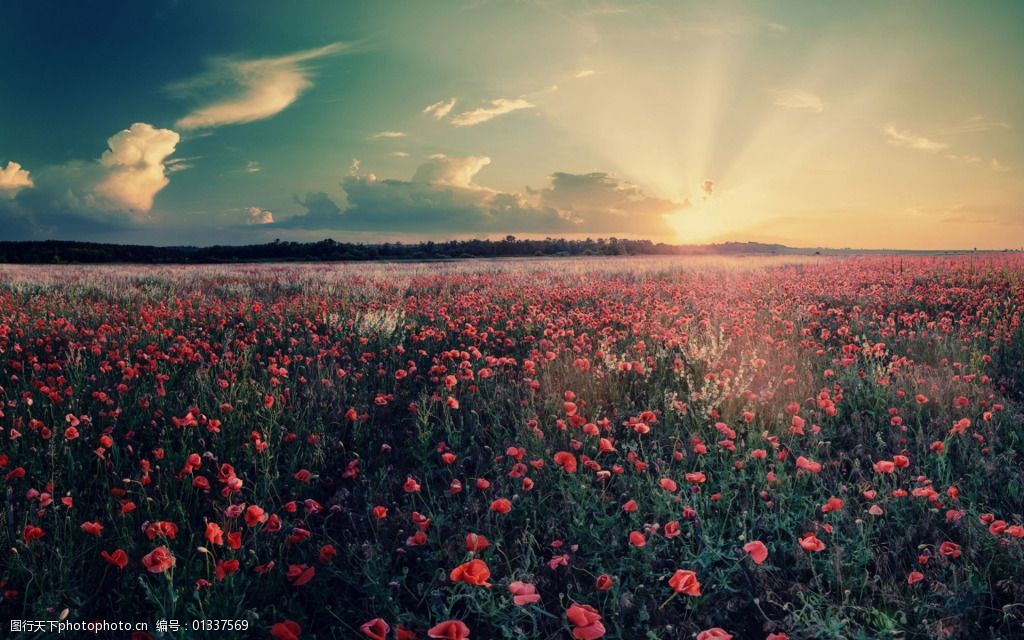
{"x": 135, "y": 166}
{"x": 498, "y": 107}
{"x": 446, "y": 171}
{"x": 912, "y": 140}
{"x": 13, "y": 178}
{"x": 799, "y": 99}
{"x": 255, "y": 215}
{"x": 441, "y": 108}
{"x": 256, "y": 89}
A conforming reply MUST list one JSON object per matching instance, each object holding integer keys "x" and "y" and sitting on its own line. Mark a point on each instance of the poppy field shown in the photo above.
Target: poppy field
{"x": 593, "y": 448}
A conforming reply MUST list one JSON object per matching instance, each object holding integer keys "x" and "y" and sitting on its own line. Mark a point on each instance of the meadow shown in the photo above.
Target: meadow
{"x": 620, "y": 448}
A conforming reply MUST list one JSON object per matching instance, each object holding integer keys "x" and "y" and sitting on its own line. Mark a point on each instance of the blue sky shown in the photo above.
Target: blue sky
{"x": 813, "y": 124}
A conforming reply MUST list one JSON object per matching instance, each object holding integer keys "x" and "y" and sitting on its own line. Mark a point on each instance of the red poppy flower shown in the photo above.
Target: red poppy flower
{"x": 118, "y": 558}
{"x": 449, "y": 630}
{"x": 300, "y": 574}
{"x": 757, "y": 551}
{"x": 685, "y": 581}
{"x": 158, "y": 560}
{"x": 810, "y": 542}
{"x": 287, "y": 630}
{"x": 523, "y": 593}
{"x": 376, "y": 629}
{"x": 474, "y": 572}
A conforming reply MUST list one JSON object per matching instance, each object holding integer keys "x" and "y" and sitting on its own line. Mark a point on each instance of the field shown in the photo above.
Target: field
{"x": 614, "y": 448}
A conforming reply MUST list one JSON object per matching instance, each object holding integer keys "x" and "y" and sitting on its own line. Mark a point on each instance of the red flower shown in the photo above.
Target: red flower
{"x": 586, "y": 620}
{"x": 474, "y": 572}
{"x": 225, "y": 568}
{"x": 300, "y": 574}
{"x": 254, "y": 515}
{"x": 566, "y": 460}
{"x": 214, "y": 534}
{"x": 93, "y": 528}
{"x": 808, "y": 465}
{"x": 158, "y": 560}
{"x": 476, "y": 542}
{"x": 950, "y": 549}
{"x": 118, "y": 558}
{"x": 810, "y": 542}
{"x": 914, "y": 577}
{"x": 501, "y": 505}
{"x": 449, "y": 630}
{"x": 714, "y": 633}
{"x": 376, "y": 629}
{"x": 287, "y": 630}
{"x": 523, "y": 593}
{"x": 637, "y": 539}
{"x": 603, "y": 582}
{"x": 756, "y": 550}
{"x": 685, "y": 581}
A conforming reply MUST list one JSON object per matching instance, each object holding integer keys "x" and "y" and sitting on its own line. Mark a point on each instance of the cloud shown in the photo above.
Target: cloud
{"x": 399, "y": 154}
{"x": 259, "y": 216}
{"x": 708, "y": 187}
{"x": 443, "y": 197}
{"x": 798, "y": 99}
{"x": 135, "y": 166}
{"x": 602, "y": 203}
{"x": 777, "y": 27}
{"x": 498, "y": 107}
{"x": 912, "y": 140}
{"x": 388, "y": 134}
{"x": 88, "y": 199}
{"x": 253, "y": 167}
{"x": 13, "y": 179}
{"x": 445, "y": 171}
{"x": 258, "y": 88}
{"x": 321, "y": 213}
{"x": 586, "y": 73}
{"x": 440, "y": 109}
{"x": 999, "y": 167}
{"x": 976, "y": 124}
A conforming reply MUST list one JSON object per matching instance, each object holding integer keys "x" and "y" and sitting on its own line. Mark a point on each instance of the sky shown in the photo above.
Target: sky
{"x": 813, "y": 124}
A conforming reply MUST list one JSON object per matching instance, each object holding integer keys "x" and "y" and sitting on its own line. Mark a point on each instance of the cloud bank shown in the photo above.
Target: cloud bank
{"x": 442, "y": 196}
{"x": 135, "y": 166}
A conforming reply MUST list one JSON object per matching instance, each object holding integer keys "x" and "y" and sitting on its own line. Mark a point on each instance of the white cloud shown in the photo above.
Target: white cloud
{"x": 912, "y": 140}
{"x": 586, "y": 73}
{"x": 262, "y": 87}
{"x": 259, "y": 216}
{"x": 400, "y": 154}
{"x": 999, "y": 167}
{"x": 799, "y": 99}
{"x": 253, "y": 167}
{"x": 441, "y": 108}
{"x": 498, "y": 107}
{"x": 442, "y": 170}
{"x": 976, "y": 124}
{"x": 388, "y": 134}
{"x": 135, "y": 167}
{"x": 13, "y": 179}
{"x": 777, "y": 27}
